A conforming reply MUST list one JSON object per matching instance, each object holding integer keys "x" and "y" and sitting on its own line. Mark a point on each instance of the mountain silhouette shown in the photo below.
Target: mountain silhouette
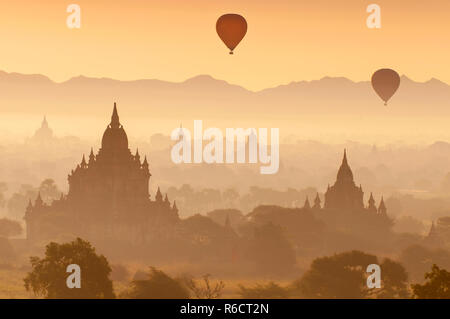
{"x": 328, "y": 102}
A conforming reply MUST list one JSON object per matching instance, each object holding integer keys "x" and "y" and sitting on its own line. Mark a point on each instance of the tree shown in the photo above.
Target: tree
{"x": 270, "y": 290}
{"x": 419, "y": 260}
{"x": 339, "y": 276}
{"x": 270, "y": 250}
{"x": 48, "y": 276}
{"x": 205, "y": 290}
{"x": 158, "y": 286}
{"x": 437, "y": 285}
{"x": 230, "y": 196}
{"x": 394, "y": 280}
{"x": 49, "y": 190}
{"x": 220, "y": 216}
{"x": 119, "y": 273}
{"x": 9, "y": 228}
{"x": 209, "y": 197}
{"x": 344, "y": 276}
{"x": 19, "y": 201}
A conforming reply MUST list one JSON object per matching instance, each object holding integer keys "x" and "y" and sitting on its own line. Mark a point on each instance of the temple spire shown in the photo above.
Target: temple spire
{"x": 39, "y": 201}
{"x": 44, "y": 122}
{"x": 382, "y": 208}
{"x": 115, "y": 117}
{"x": 91, "y": 157}
{"x": 174, "y": 207}
{"x": 372, "y": 207}
{"x": 137, "y": 156}
{"x": 432, "y": 231}
{"x": 145, "y": 163}
{"x": 345, "y": 174}
{"x": 317, "y": 202}
{"x": 158, "y": 196}
{"x": 307, "y": 204}
{"x": 145, "y": 167}
{"x": 83, "y": 162}
{"x": 371, "y": 200}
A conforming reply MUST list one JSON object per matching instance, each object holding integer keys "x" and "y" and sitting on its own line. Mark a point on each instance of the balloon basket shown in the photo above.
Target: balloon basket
{"x": 231, "y": 52}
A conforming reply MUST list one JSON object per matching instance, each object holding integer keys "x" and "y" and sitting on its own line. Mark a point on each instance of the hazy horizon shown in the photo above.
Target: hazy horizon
{"x": 332, "y": 110}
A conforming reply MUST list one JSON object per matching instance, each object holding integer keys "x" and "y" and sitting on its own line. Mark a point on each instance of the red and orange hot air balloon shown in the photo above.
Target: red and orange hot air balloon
{"x": 385, "y": 82}
{"x": 231, "y": 28}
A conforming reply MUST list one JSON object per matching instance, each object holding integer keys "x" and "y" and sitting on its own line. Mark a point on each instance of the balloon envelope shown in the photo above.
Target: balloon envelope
{"x": 231, "y": 28}
{"x": 385, "y": 82}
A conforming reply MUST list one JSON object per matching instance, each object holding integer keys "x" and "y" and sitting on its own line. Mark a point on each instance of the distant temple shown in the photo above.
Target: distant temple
{"x": 108, "y": 197}
{"x": 43, "y": 134}
{"x": 439, "y": 234}
{"x": 345, "y": 196}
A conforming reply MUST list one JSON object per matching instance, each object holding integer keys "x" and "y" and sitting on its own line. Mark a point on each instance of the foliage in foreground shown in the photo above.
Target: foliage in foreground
{"x": 158, "y": 285}
{"x": 48, "y": 276}
{"x": 270, "y": 290}
{"x": 436, "y": 286}
{"x": 344, "y": 276}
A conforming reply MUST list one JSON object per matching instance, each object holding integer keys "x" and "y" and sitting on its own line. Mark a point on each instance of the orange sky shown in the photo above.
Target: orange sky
{"x": 287, "y": 40}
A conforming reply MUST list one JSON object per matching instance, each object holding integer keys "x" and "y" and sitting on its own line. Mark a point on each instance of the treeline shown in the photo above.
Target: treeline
{"x": 192, "y": 201}
{"x": 341, "y": 275}
{"x": 14, "y": 206}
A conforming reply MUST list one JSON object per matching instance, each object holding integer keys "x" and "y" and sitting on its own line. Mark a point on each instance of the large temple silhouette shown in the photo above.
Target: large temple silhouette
{"x": 345, "y": 197}
{"x": 108, "y": 197}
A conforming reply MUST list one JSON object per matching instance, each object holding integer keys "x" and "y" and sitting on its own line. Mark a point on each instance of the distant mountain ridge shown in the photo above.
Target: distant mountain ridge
{"x": 201, "y": 79}
{"x": 327, "y": 102}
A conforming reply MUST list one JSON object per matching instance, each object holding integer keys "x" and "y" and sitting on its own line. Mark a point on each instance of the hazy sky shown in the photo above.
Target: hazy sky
{"x": 287, "y": 40}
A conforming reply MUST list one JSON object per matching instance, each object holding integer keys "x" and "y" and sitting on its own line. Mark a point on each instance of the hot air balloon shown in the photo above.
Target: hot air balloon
{"x": 385, "y": 82}
{"x": 231, "y": 28}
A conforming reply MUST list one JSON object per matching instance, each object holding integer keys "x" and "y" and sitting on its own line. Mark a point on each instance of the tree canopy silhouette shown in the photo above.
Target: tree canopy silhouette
{"x": 48, "y": 276}
{"x": 204, "y": 289}
{"x": 158, "y": 286}
{"x": 344, "y": 276}
{"x": 270, "y": 251}
{"x": 436, "y": 286}
{"x": 271, "y": 290}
